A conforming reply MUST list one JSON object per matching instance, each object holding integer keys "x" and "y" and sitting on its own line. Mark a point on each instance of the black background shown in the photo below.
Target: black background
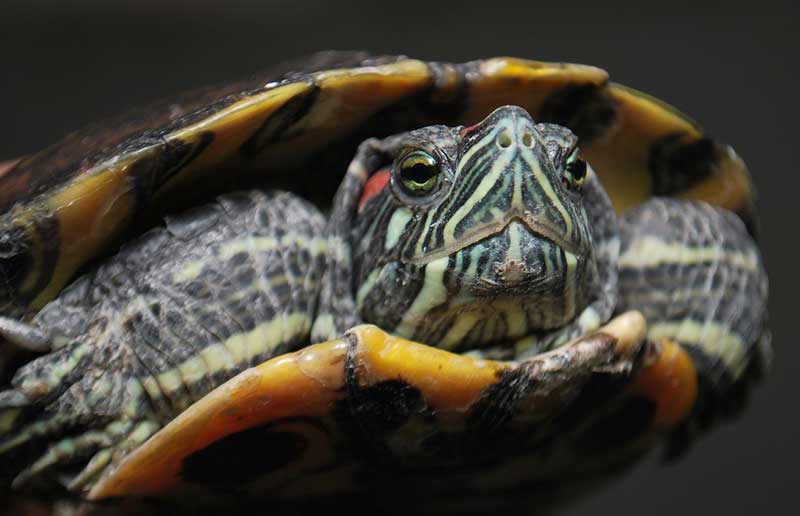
{"x": 732, "y": 68}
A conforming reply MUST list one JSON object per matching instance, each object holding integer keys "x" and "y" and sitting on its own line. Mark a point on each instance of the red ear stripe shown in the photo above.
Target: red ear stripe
{"x": 374, "y": 185}
{"x": 465, "y": 131}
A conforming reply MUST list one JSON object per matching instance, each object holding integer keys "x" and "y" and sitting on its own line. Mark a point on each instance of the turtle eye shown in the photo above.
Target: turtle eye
{"x": 574, "y": 171}
{"x": 418, "y": 173}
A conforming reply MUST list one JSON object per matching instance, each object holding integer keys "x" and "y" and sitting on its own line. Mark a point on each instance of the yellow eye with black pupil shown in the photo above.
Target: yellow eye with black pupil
{"x": 574, "y": 171}
{"x": 419, "y": 173}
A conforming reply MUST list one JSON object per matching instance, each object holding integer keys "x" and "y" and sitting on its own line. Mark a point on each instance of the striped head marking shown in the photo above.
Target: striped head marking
{"x": 473, "y": 236}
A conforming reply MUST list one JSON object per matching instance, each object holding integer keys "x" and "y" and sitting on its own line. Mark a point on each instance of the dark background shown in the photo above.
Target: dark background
{"x": 734, "y": 70}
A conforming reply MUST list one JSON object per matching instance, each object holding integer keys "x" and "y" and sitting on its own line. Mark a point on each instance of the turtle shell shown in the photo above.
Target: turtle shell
{"x": 296, "y": 127}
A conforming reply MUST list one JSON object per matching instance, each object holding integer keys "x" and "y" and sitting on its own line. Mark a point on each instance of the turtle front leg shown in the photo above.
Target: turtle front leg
{"x": 170, "y": 317}
{"x": 697, "y": 276}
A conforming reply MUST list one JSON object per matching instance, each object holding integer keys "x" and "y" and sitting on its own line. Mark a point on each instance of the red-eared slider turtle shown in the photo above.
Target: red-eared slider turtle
{"x": 467, "y": 220}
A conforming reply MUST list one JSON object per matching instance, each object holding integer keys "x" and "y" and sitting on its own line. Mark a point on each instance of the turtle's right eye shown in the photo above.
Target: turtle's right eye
{"x": 418, "y": 173}
{"x": 574, "y": 171}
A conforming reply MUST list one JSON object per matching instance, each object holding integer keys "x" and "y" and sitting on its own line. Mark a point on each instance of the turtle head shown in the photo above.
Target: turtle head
{"x": 469, "y": 236}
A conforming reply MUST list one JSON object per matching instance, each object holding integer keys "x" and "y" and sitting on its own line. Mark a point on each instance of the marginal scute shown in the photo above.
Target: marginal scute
{"x": 450, "y": 382}
{"x": 670, "y": 382}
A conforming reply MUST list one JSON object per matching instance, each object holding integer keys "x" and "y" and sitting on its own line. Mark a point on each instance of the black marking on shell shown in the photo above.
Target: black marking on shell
{"x": 384, "y": 406}
{"x": 497, "y": 404}
{"x": 50, "y": 241}
{"x": 168, "y": 160}
{"x": 178, "y": 155}
{"x": 586, "y": 109}
{"x": 278, "y": 123}
{"x": 372, "y": 414}
{"x": 381, "y": 407}
{"x": 17, "y": 262}
{"x": 676, "y": 165}
{"x": 244, "y": 455}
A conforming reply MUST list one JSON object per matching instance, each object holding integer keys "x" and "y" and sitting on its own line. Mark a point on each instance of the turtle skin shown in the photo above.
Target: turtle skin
{"x": 256, "y": 275}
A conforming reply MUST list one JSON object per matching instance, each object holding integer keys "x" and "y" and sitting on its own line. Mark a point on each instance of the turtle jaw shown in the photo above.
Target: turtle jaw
{"x": 497, "y": 289}
{"x": 516, "y": 262}
{"x": 536, "y": 226}
{"x": 512, "y": 276}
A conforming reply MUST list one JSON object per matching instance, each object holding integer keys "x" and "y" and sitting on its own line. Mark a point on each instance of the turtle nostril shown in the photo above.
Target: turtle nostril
{"x": 504, "y": 140}
{"x": 527, "y": 139}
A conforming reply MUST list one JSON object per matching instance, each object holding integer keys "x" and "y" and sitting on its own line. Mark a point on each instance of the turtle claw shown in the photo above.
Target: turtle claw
{"x": 31, "y": 432}
{"x": 106, "y": 445}
{"x": 94, "y": 467}
{"x": 97, "y": 465}
{"x": 25, "y": 336}
{"x": 65, "y": 450}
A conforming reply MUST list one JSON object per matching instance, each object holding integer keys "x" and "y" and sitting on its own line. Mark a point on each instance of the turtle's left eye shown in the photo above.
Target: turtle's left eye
{"x": 574, "y": 171}
{"x": 418, "y": 173}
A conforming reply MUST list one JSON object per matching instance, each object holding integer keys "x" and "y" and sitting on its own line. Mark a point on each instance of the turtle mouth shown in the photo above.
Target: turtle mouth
{"x": 537, "y": 226}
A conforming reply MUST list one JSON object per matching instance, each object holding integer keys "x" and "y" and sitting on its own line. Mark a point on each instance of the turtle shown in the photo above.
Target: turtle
{"x": 374, "y": 271}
